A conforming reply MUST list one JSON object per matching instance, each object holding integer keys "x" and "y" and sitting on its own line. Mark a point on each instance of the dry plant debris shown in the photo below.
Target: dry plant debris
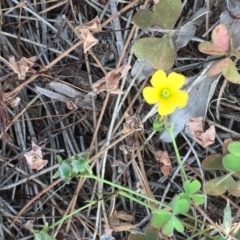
{"x": 45, "y": 66}
{"x": 34, "y": 157}
{"x": 110, "y": 82}
{"x": 163, "y": 158}
{"x": 203, "y": 138}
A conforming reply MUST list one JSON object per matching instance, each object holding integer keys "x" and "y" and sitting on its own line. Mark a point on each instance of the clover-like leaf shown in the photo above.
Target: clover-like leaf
{"x": 210, "y": 48}
{"x": 65, "y": 171}
{"x": 231, "y": 72}
{"x": 220, "y": 37}
{"x": 219, "y": 44}
{"x": 150, "y": 233}
{"x": 236, "y": 53}
{"x": 167, "y": 13}
{"x": 79, "y": 166}
{"x": 59, "y": 159}
{"x": 191, "y": 187}
{"x": 144, "y": 18}
{"x": 218, "y": 186}
{"x": 213, "y": 162}
{"x": 168, "y": 227}
{"x": 234, "y": 147}
{"x": 217, "y": 67}
{"x": 184, "y": 195}
{"x": 56, "y": 174}
{"x": 157, "y": 50}
{"x": 227, "y": 67}
{"x": 198, "y": 198}
{"x": 231, "y": 162}
{"x": 177, "y": 224}
{"x": 160, "y": 217}
{"x": 180, "y": 205}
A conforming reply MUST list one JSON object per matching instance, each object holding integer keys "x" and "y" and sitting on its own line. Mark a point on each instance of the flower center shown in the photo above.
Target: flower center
{"x": 165, "y": 93}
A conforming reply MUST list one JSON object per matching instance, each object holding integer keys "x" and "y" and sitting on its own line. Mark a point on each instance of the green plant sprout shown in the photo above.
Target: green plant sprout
{"x": 159, "y": 51}
{"x": 228, "y": 161}
{"x": 219, "y": 47}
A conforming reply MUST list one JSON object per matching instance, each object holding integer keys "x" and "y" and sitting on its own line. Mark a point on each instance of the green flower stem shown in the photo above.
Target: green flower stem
{"x": 137, "y": 200}
{"x": 194, "y": 219}
{"x": 170, "y": 129}
{"x": 123, "y": 193}
{"x": 198, "y": 231}
{"x": 127, "y": 190}
{"x": 74, "y": 212}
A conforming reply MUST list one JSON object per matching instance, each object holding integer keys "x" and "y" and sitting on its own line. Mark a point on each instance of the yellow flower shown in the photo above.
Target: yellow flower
{"x": 165, "y": 91}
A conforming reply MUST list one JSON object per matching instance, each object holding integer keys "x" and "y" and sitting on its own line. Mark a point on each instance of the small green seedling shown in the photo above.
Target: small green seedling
{"x": 74, "y": 166}
{"x": 220, "y": 47}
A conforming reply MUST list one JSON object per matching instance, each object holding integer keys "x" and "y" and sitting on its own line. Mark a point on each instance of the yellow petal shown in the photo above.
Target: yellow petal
{"x": 176, "y": 79}
{"x": 179, "y": 98}
{"x": 166, "y": 108}
{"x": 151, "y": 95}
{"x": 158, "y": 79}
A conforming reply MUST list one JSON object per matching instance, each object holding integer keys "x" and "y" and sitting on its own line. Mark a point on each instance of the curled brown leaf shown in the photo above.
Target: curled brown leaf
{"x": 86, "y": 30}
{"x": 203, "y": 138}
{"x": 21, "y": 67}
{"x": 34, "y": 157}
{"x": 110, "y": 82}
{"x": 163, "y": 158}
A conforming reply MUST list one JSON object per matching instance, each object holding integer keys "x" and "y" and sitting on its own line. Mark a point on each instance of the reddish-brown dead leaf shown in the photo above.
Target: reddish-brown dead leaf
{"x": 195, "y": 125}
{"x": 203, "y": 138}
{"x": 208, "y": 137}
{"x": 132, "y": 122}
{"x": 163, "y": 158}
{"x": 34, "y": 157}
{"x": 110, "y": 81}
{"x": 21, "y": 67}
